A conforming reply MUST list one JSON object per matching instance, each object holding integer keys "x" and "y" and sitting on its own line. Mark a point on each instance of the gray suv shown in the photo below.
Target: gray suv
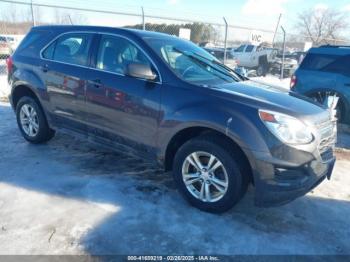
{"x": 170, "y": 101}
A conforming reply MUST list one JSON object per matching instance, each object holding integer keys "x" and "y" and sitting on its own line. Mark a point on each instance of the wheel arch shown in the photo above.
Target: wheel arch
{"x": 342, "y": 99}
{"x": 23, "y": 90}
{"x": 188, "y": 133}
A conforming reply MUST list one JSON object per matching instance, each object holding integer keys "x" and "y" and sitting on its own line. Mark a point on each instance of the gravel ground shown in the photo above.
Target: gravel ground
{"x": 69, "y": 197}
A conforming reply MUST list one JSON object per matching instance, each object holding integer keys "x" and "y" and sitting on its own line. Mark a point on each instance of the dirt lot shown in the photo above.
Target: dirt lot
{"x": 67, "y": 197}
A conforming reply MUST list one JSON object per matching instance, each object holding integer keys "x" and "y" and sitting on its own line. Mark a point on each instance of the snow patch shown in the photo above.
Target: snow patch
{"x": 273, "y": 80}
{"x": 4, "y": 87}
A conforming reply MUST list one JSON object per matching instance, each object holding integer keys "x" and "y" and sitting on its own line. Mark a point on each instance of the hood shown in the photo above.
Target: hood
{"x": 274, "y": 98}
{"x": 290, "y": 61}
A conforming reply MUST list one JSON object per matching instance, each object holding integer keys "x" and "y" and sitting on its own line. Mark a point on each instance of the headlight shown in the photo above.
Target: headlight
{"x": 288, "y": 129}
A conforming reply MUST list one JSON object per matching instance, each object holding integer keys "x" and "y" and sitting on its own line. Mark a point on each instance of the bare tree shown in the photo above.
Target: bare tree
{"x": 10, "y": 14}
{"x": 67, "y": 18}
{"x": 322, "y": 26}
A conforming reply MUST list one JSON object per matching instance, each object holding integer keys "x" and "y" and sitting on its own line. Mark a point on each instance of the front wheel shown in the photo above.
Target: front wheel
{"x": 208, "y": 176}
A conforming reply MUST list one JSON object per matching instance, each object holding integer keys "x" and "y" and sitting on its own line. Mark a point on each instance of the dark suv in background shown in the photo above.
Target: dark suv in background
{"x": 325, "y": 71}
{"x": 170, "y": 101}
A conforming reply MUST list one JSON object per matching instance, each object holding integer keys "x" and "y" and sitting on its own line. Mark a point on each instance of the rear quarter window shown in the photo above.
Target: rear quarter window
{"x": 317, "y": 62}
{"x": 33, "y": 42}
{"x": 340, "y": 66}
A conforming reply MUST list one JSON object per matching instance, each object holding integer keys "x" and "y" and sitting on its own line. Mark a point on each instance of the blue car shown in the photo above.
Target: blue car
{"x": 325, "y": 71}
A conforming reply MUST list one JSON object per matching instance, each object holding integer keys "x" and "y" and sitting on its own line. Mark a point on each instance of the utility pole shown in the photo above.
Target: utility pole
{"x": 284, "y": 50}
{"x": 278, "y": 24}
{"x": 32, "y": 10}
{"x": 225, "y": 44}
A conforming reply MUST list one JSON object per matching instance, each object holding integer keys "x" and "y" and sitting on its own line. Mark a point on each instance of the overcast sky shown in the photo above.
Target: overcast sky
{"x": 250, "y": 13}
{"x": 236, "y": 11}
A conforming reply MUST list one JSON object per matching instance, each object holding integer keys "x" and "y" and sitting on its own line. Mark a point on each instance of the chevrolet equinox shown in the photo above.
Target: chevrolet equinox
{"x": 170, "y": 101}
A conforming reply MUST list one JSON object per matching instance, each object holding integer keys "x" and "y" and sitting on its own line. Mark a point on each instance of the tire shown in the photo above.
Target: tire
{"x": 236, "y": 182}
{"x": 260, "y": 70}
{"x": 40, "y": 131}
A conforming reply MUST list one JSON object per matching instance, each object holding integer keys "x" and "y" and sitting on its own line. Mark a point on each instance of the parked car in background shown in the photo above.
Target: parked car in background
{"x": 255, "y": 57}
{"x": 12, "y": 41}
{"x": 5, "y": 47}
{"x": 169, "y": 101}
{"x": 219, "y": 54}
{"x": 325, "y": 71}
{"x": 289, "y": 66}
{"x": 298, "y": 56}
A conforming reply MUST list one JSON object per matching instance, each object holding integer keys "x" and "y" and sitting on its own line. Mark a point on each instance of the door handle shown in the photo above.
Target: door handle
{"x": 347, "y": 84}
{"x": 44, "y": 68}
{"x": 96, "y": 83}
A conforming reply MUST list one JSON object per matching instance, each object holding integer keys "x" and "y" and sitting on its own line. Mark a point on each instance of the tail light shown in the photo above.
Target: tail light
{"x": 9, "y": 64}
{"x": 293, "y": 82}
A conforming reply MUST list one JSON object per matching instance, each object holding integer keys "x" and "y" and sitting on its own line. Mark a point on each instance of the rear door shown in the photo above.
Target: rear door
{"x": 65, "y": 71}
{"x": 122, "y": 108}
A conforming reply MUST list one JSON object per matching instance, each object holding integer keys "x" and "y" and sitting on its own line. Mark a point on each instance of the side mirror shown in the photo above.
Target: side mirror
{"x": 140, "y": 71}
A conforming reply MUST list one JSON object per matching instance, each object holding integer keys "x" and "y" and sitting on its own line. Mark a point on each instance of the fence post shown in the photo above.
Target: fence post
{"x": 143, "y": 19}
{"x": 225, "y": 44}
{"x": 32, "y": 11}
{"x": 283, "y": 51}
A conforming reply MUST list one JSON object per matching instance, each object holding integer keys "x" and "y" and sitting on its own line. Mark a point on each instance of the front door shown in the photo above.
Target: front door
{"x": 122, "y": 108}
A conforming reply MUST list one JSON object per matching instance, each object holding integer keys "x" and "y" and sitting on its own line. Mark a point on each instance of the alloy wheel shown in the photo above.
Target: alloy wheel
{"x": 29, "y": 120}
{"x": 205, "y": 176}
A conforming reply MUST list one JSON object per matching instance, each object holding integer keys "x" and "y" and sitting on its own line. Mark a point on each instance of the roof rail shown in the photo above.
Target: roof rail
{"x": 335, "y": 46}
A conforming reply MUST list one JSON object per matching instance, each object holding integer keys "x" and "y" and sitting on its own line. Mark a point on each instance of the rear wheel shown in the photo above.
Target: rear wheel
{"x": 260, "y": 70}
{"x": 321, "y": 97}
{"x": 208, "y": 175}
{"x": 32, "y": 122}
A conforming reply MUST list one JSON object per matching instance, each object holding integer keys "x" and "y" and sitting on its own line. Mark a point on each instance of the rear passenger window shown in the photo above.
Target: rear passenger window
{"x": 70, "y": 48}
{"x": 317, "y": 61}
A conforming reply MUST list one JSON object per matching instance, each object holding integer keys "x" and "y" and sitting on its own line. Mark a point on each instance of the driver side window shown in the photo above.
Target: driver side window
{"x": 116, "y": 53}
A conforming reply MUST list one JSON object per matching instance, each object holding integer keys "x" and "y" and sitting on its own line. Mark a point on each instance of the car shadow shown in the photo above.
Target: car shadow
{"x": 151, "y": 217}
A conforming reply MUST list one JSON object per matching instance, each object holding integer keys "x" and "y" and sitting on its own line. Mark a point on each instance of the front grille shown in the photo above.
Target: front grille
{"x": 326, "y": 129}
{"x": 328, "y": 139}
{"x": 327, "y": 155}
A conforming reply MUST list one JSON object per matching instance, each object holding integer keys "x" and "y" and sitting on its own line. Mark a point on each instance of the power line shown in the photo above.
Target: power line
{"x": 184, "y": 20}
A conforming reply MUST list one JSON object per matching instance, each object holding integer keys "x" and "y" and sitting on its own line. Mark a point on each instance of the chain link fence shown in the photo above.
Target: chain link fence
{"x": 17, "y": 17}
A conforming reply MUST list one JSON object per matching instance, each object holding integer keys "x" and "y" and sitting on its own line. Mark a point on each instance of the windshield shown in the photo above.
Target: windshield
{"x": 192, "y": 63}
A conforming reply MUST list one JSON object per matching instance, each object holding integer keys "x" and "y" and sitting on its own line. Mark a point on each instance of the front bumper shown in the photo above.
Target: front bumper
{"x": 278, "y": 183}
